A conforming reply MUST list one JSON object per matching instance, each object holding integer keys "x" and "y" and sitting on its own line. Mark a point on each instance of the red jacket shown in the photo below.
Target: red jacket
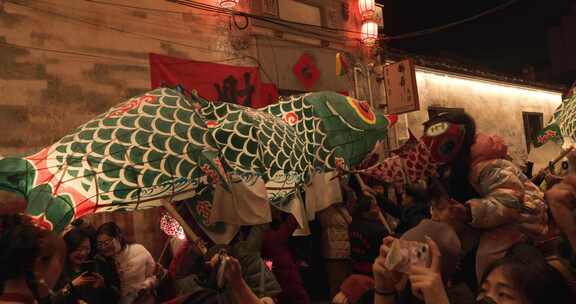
{"x": 275, "y": 247}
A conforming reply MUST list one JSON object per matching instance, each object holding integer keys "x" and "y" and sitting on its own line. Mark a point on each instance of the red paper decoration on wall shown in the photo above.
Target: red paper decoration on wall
{"x": 306, "y": 71}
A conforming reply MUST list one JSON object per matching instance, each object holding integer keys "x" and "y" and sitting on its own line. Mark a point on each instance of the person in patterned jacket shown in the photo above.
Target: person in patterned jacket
{"x": 489, "y": 192}
{"x": 510, "y": 208}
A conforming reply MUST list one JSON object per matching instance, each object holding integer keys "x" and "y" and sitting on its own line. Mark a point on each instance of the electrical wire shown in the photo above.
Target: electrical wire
{"x": 283, "y": 23}
{"x": 146, "y": 8}
{"x": 208, "y": 7}
{"x": 215, "y": 9}
{"x": 65, "y": 52}
{"x": 112, "y": 28}
{"x": 218, "y": 10}
{"x": 182, "y": 62}
{"x": 452, "y": 24}
{"x": 203, "y": 6}
{"x": 255, "y": 60}
{"x": 180, "y": 26}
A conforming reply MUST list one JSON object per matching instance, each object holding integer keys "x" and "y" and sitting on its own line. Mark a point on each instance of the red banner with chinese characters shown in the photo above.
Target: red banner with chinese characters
{"x": 217, "y": 82}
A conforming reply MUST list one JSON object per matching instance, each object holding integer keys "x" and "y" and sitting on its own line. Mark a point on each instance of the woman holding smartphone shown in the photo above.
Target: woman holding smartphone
{"x": 85, "y": 278}
{"x": 136, "y": 267}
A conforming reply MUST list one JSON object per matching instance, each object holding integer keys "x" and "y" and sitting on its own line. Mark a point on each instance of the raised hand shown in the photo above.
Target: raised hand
{"x": 84, "y": 279}
{"x": 385, "y": 281}
{"x": 98, "y": 280}
{"x": 427, "y": 282}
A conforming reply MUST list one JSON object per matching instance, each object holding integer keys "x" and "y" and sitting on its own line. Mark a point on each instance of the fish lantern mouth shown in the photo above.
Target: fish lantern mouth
{"x": 365, "y": 106}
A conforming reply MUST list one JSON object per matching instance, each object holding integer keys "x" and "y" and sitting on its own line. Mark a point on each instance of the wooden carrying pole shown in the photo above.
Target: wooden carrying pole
{"x": 196, "y": 241}
{"x": 367, "y": 193}
{"x": 542, "y": 172}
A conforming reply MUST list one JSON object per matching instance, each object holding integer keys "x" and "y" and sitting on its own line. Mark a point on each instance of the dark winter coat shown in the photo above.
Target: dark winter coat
{"x": 275, "y": 247}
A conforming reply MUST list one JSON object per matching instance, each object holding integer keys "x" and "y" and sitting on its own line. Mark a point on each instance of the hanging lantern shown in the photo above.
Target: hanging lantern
{"x": 369, "y": 33}
{"x": 230, "y": 4}
{"x": 367, "y": 8}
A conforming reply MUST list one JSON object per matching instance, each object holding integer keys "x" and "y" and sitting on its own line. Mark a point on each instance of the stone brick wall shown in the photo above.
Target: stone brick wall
{"x": 63, "y": 62}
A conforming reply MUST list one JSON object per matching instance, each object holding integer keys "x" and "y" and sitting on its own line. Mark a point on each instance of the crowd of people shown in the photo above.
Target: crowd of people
{"x": 480, "y": 231}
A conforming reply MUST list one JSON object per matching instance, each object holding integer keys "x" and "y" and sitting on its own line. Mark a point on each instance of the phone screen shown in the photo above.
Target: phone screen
{"x": 89, "y": 266}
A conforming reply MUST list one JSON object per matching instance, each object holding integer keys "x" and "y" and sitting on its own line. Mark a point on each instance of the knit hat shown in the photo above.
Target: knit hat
{"x": 355, "y": 286}
{"x": 445, "y": 237}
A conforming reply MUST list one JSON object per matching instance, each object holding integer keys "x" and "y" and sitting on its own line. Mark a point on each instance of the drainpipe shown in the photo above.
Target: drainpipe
{"x": 370, "y": 90}
{"x": 356, "y": 91}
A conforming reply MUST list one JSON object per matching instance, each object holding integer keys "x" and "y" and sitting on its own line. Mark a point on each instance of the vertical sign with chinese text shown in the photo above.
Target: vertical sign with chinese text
{"x": 401, "y": 89}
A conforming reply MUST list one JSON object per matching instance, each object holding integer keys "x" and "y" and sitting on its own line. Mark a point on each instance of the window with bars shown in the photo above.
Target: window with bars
{"x": 533, "y": 123}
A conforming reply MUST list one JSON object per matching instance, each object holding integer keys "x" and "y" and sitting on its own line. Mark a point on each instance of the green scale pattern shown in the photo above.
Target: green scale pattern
{"x": 162, "y": 144}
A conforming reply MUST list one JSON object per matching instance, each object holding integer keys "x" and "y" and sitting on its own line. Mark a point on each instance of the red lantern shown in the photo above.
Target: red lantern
{"x": 230, "y": 4}
{"x": 367, "y": 8}
{"x": 369, "y": 33}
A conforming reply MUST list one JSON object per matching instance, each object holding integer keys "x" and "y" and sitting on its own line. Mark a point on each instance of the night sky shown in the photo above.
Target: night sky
{"x": 504, "y": 41}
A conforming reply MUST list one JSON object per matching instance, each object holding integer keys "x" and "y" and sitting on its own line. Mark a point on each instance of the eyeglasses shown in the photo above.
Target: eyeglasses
{"x": 105, "y": 243}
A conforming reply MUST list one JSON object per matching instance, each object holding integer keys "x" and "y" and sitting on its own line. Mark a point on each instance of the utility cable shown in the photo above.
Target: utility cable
{"x": 452, "y": 24}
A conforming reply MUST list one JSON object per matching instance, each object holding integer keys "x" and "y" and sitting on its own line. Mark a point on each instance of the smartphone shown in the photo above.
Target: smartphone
{"x": 403, "y": 254}
{"x": 220, "y": 280}
{"x": 89, "y": 267}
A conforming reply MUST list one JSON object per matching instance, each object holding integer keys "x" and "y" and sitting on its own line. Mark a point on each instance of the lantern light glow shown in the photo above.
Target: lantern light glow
{"x": 230, "y": 4}
{"x": 367, "y": 8}
{"x": 369, "y": 33}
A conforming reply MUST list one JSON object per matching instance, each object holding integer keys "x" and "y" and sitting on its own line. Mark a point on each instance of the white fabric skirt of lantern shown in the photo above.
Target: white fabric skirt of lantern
{"x": 367, "y": 8}
{"x": 230, "y": 4}
{"x": 369, "y": 33}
